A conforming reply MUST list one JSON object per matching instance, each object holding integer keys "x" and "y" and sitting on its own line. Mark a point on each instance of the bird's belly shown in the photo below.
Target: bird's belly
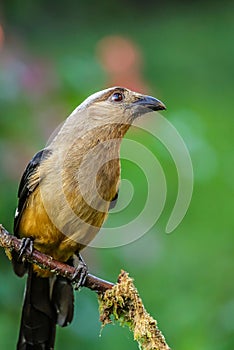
{"x": 57, "y": 233}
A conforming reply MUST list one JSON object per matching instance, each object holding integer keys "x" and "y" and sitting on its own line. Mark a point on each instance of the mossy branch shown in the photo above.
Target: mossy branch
{"x": 120, "y": 301}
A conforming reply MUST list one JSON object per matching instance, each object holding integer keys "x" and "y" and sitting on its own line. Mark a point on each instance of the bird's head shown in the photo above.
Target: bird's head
{"x": 118, "y": 104}
{"x": 107, "y": 114}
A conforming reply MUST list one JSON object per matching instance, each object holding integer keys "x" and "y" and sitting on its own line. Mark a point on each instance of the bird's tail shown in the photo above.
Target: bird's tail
{"x": 46, "y": 304}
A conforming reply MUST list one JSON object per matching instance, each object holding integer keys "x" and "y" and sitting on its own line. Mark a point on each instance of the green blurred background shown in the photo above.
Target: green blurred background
{"x": 52, "y": 56}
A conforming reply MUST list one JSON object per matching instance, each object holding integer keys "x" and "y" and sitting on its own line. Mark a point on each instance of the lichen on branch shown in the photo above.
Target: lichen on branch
{"x": 123, "y": 304}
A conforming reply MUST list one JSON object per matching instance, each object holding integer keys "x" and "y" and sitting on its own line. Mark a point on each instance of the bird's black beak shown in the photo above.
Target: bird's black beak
{"x": 150, "y": 102}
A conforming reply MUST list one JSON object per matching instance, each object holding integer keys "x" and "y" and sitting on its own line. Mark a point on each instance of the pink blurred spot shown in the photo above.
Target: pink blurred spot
{"x": 118, "y": 54}
{"x": 39, "y": 77}
{"x": 2, "y": 37}
{"x": 122, "y": 61}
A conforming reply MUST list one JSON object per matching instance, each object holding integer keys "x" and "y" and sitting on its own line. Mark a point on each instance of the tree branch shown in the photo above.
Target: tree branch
{"x": 10, "y": 242}
{"x": 120, "y": 301}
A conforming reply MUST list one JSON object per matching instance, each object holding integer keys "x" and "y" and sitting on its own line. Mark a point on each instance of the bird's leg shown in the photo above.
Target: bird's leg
{"x": 81, "y": 272}
{"x": 26, "y": 242}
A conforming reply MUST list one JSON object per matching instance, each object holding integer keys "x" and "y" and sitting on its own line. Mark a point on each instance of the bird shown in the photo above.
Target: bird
{"x": 64, "y": 197}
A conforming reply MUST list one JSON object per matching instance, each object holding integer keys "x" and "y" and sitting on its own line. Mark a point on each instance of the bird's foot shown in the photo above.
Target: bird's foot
{"x": 26, "y": 243}
{"x": 80, "y": 274}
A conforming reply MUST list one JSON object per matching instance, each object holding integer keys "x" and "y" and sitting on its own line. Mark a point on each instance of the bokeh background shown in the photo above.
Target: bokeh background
{"x": 52, "y": 56}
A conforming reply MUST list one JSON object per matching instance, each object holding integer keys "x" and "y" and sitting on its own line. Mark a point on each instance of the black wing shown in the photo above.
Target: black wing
{"x": 25, "y": 188}
{"x": 114, "y": 201}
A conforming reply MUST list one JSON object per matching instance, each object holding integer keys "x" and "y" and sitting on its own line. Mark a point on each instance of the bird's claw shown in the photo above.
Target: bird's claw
{"x": 80, "y": 273}
{"x": 26, "y": 243}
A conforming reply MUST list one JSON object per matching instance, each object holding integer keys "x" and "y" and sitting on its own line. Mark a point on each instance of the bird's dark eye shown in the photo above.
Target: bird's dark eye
{"x": 117, "y": 97}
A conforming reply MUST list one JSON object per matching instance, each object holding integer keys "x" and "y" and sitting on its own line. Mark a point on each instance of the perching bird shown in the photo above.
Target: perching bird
{"x": 64, "y": 195}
